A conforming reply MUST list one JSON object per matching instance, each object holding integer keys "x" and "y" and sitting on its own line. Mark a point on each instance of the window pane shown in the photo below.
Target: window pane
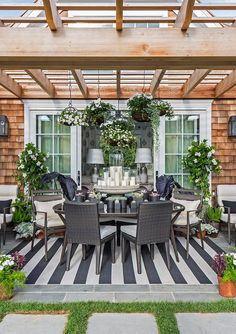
{"x": 62, "y": 144}
{"x": 45, "y": 143}
{"x": 187, "y": 141}
{"x": 49, "y": 163}
{"x": 62, "y": 164}
{"x": 173, "y": 144}
{"x": 191, "y": 124}
{"x": 173, "y": 164}
{"x": 44, "y": 124}
{"x": 174, "y": 125}
{"x": 60, "y": 128}
{"x": 186, "y": 182}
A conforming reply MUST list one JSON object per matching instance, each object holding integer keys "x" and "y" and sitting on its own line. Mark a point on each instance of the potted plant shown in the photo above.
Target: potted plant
{"x": 22, "y": 209}
{"x": 225, "y": 267}
{"x": 11, "y": 274}
{"x": 144, "y": 108}
{"x": 199, "y": 162}
{"x": 118, "y": 134}
{"x": 214, "y": 215}
{"x": 71, "y": 116}
{"x": 97, "y": 112}
{"x": 211, "y": 230}
{"x": 137, "y": 197}
{"x": 24, "y": 230}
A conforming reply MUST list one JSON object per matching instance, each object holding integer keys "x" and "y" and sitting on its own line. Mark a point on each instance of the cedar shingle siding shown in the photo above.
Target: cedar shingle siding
{"x": 12, "y": 145}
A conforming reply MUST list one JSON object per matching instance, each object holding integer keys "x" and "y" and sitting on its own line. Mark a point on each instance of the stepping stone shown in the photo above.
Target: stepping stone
{"x": 35, "y": 323}
{"x": 122, "y": 323}
{"x": 206, "y": 323}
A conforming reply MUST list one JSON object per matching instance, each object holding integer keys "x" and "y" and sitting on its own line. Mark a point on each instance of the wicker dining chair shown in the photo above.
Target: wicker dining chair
{"x": 44, "y": 217}
{"x": 153, "y": 226}
{"x": 192, "y": 200}
{"x": 83, "y": 227}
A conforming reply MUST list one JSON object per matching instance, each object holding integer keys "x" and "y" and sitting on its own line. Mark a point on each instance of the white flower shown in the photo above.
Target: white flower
{"x": 30, "y": 152}
{"x": 212, "y": 151}
{"x": 47, "y": 155}
{"x": 189, "y": 148}
{"x": 22, "y": 166}
{"x": 197, "y": 154}
{"x": 195, "y": 161}
{"x": 24, "y": 175}
{"x": 1, "y": 267}
{"x": 214, "y": 162}
{"x": 209, "y": 154}
{"x": 38, "y": 163}
{"x": 197, "y": 180}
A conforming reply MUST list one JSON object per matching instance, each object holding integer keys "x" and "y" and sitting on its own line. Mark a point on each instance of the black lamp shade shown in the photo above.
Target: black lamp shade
{"x": 232, "y": 126}
{"x": 4, "y": 125}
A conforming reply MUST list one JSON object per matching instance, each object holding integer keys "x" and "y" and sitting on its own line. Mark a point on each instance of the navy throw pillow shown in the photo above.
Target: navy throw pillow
{"x": 5, "y": 204}
{"x": 231, "y": 205}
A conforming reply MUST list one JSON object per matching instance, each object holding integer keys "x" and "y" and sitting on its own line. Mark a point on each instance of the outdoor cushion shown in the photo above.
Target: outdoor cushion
{"x": 231, "y": 205}
{"x": 5, "y": 204}
{"x": 8, "y": 218}
{"x": 130, "y": 229}
{"x": 224, "y": 218}
{"x": 226, "y": 192}
{"x": 189, "y": 206}
{"x": 52, "y": 218}
{"x": 128, "y": 220}
{"x": 107, "y": 230}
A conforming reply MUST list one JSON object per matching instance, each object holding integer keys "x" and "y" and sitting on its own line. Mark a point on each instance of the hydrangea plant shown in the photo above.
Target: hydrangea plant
{"x": 200, "y": 161}
{"x": 30, "y": 167}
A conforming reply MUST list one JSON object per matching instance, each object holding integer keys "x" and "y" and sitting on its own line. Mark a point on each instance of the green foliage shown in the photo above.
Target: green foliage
{"x": 214, "y": 214}
{"x": 140, "y": 103}
{"x": 22, "y": 209}
{"x": 229, "y": 274}
{"x": 70, "y": 116}
{"x": 30, "y": 167}
{"x": 97, "y": 112}
{"x": 200, "y": 162}
{"x": 24, "y": 230}
{"x": 119, "y": 134}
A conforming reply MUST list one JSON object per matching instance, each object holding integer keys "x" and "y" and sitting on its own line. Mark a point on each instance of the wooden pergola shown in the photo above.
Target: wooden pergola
{"x": 191, "y": 54}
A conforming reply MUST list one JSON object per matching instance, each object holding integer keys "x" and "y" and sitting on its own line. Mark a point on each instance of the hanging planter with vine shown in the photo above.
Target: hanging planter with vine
{"x": 97, "y": 112}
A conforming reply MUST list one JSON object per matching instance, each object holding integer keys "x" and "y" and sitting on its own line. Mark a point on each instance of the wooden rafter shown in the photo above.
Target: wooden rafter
{"x": 194, "y": 80}
{"x": 78, "y": 76}
{"x": 184, "y": 16}
{"x": 156, "y": 80}
{"x": 118, "y": 88}
{"x": 42, "y": 81}
{"x": 9, "y": 84}
{"x": 119, "y": 15}
{"x": 137, "y": 49}
{"x": 226, "y": 84}
{"x": 52, "y": 15}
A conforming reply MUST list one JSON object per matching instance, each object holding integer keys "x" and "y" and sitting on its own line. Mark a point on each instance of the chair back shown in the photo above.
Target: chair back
{"x": 154, "y": 222}
{"x": 226, "y": 192}
{"x": 82, "y": 223}
{"x": 187, "y": 194}
{"x": 8, "y": 191}
{"x": 46, "y": 195}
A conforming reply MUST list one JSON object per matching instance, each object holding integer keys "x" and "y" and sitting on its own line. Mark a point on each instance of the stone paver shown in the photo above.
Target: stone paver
{"x": 122, "y": 323}
{"x": 206, "y": 323}
{"x": 37, "y": 324}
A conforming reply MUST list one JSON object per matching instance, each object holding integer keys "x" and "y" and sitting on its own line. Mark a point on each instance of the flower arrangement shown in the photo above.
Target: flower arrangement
{"x": 30, "y": 167}
{"x": 24, "y": 230}
{"x": 71, "y": 116}
{"x": 10, "y": 274}
{"x": 96, "y": 112}
{"x": 119, "y": 134}
{"x": 210, "y": 230}
{"x": 144, "y": 108}
{"x": 200, "y": 161}
{"x": 225, "y": 266}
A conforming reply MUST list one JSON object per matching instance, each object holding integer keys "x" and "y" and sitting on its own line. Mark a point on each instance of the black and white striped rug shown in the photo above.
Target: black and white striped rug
{"x": 196, "y": 270}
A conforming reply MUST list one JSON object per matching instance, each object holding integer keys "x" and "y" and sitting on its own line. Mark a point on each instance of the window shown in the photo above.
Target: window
{"x": 55, "y": 139}
{"x": 180, "y": 131}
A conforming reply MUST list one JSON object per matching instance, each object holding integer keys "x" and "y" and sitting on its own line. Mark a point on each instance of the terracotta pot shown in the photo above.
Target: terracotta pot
{"x": 203, "y": 235}
{"x": 3, "y": 295}
{"x": 213, "y": 235}
{"x": 227, "y": 289}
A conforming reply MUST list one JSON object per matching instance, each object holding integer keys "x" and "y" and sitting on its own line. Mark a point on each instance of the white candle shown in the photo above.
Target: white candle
{"x": 106, "y": 175}
{"x": 124, "y": 183}
{"x": 132, "y": 181}
{"x": 126, "y": 176}
{"x": 117, "y": 179}
{"x": 112, "y": 172}
{"x": 99, "y": 183}
{"x": 112, "y": 183}
{"x": 103, "y": 184}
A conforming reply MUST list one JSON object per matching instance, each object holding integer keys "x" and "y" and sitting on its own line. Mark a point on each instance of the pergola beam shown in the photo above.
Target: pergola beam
{"x": 9, "y": 84}
{"x": 119, "y": 15}
{"x": 68, "y": 48}
{"x": 78, "y": 76}
{"x": 52, "y": 15}
{"x": 42, "y": 81}
{"x": 118, "y": 88}
{"x": 194, "y": 80}
{"x": 156, "y": 80}
{"x": 226, "y": 84}
{"x": 184, "y": 16}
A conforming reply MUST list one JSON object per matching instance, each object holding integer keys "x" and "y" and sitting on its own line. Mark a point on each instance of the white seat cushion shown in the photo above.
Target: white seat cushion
{"x": 224, "y": 218}
{"x": 130, "y": 229}
{"x": 189, "y": 206}
{"x": 128, "y": 220}
{"x": 107, "y": 230}
{"x": 8, "y": 191}
{"x": 226, "y": 192}
{"x": 52, "y": 218}
{"x": 8, "y": 218}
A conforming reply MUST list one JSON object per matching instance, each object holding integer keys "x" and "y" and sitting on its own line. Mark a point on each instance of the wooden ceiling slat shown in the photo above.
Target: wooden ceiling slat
{"x": 9, "y": 84}
{"x": 194, "y": 80}
{"x": 156, "y": 80}
{"x": 41, "y": 79}
{"x": 52, "y": 15}
{"x": 184, "y": 16}
{"x": 119, "y": 15}
{"x": 78, "y": 76}
{"x": 226, "y": 84}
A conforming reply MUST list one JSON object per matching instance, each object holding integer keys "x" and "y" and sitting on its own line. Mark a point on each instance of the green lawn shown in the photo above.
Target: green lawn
{"x": 80, "y": 312}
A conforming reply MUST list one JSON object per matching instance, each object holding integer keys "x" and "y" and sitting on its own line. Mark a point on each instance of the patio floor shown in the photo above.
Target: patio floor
{"x": 193, "y": 271}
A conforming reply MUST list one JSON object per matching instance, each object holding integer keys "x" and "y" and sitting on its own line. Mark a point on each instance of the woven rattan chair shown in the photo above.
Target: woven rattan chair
{"x": 82, "y": 227}
{"x": 153, "y": 226}
{"x": 188, "y": 219}
{"x": 44, "y": 217}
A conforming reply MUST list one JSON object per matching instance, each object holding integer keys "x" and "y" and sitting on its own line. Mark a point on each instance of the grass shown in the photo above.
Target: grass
{"x": 79, "y": 312}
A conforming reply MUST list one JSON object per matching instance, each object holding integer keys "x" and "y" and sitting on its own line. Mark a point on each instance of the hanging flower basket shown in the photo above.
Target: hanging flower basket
{"x": 70, "y": 116}
{"x": 97, "y": 112}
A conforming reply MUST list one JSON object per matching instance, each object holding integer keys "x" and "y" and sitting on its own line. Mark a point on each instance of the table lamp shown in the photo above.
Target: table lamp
{"x": 95, "y": 157}
{"x": 143, "y": 156}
